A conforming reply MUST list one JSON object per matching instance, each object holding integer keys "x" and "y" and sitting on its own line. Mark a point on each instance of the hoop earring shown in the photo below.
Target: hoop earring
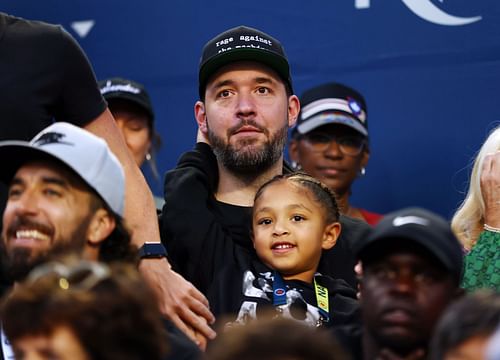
{"x": 362, "y": 172}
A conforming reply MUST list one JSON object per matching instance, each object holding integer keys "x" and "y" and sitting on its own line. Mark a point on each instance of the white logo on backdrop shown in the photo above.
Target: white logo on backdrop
{"x": 426, "y": 10}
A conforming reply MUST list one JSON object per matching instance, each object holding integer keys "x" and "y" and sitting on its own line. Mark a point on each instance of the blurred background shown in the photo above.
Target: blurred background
{"x": 429, "y": 70}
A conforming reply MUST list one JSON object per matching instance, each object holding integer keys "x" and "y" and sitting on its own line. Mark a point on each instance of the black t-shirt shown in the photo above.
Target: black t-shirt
{"x": 44, "y": 77}
{"x": 200, "y": 232}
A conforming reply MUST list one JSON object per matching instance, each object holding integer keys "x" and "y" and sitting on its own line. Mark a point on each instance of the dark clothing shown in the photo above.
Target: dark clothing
{"x": 244, "y": 289}
{"x": 201, "y": 233}
{"x": 44, "y": 76}
{"x": 350, "y": 337}
{"x": 180, "y": 346}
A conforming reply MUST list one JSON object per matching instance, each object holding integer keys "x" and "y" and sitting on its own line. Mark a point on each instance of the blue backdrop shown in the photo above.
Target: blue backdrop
{"x": 429, "y": 69}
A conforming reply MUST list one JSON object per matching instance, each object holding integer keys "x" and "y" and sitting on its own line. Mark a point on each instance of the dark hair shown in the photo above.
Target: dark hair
{"x": 114, "y": 316}
{"x": 275, "y": 339}
{"x": 320, "y": 191}
{"x": 476, "y": 314}
{"x": 117, "y": 246}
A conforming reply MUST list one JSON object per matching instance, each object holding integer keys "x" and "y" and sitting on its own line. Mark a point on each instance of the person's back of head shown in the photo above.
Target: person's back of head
{"x": 275, "y": 339}
{"x": 465, "y": 328}
{"x": 105, "y": 312}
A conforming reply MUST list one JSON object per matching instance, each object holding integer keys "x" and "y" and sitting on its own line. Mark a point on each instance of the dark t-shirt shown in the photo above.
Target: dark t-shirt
{"x": 44, "y": 77}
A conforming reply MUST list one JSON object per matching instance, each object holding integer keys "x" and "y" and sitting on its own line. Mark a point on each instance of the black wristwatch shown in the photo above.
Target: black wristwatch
{"x": 152, "y": 250}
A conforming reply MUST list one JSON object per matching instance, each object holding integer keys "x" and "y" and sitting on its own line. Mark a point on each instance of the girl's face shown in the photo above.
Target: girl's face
{"x": 290, "y": 230}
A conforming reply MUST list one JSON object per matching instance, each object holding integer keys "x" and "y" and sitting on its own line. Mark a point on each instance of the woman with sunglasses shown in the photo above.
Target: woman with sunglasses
{"x": 330, "y": 142}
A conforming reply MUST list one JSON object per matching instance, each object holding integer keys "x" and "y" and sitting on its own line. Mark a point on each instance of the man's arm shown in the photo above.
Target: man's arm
{"x": 179, "y": 299}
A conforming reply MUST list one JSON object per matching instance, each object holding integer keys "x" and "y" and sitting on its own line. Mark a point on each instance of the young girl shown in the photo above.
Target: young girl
{"x": 294, "y": 218}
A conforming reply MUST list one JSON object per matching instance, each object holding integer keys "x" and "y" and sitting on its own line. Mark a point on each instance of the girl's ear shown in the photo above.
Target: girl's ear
{"x": 331, "y": 234}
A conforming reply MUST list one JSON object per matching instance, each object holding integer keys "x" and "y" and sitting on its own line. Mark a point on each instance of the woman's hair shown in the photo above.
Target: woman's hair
{"x": 322, "y": 194}
{"x": 468, "y": 221}
{"x": 474, "y": 315}
{"x": 110, "y": 309}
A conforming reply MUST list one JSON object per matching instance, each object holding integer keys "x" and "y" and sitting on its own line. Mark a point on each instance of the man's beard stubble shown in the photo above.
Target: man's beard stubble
{"x": 246, "y": 160}
{"x": 19, "y": 262}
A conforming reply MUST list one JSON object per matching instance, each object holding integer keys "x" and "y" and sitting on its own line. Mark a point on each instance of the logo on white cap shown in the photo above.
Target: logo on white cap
{"x": 405, "y": 220}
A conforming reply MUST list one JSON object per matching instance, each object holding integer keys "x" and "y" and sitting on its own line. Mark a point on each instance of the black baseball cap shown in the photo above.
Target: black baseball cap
{"x": 120, "y": 88}
{"x": 238, "y": 44}
{"x": 420, "y": 226}
{"x": 332, "y": 103}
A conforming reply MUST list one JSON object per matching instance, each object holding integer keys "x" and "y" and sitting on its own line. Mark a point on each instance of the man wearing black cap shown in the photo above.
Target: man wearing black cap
{"x": 245, "y": 109}
{"x": 330, "y": 141}
{"x": 412, "y": 267}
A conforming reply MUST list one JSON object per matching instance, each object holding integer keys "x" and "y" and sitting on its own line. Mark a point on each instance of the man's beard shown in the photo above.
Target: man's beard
{"x": 17, "y": 263}
{"x": 247, "y": 160}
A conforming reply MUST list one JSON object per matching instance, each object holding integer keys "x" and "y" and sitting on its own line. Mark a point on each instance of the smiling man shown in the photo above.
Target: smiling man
{"x": 412, "y": 267}
{"x": 66, "y": 194}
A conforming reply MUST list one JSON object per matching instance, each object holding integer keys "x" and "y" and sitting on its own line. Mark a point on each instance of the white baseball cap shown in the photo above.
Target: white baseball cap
{"x": 86, "y": 154}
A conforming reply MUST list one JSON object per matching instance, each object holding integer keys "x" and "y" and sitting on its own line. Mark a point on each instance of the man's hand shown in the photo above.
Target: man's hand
{"x": 179, "y": 300}
{"x": 490, "y": 189}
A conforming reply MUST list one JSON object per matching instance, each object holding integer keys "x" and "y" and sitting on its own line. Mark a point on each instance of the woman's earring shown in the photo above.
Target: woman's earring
{"x": 362, "y": 172}
{"x": 148, "y": 157}
{"x": 296, "y": 166}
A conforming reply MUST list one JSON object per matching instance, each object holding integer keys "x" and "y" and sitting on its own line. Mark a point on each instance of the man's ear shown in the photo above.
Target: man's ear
{"x": 101, "y": 226}
{"x": 201, "y": 116}
{"x": 293, "y": 110}
{"x": 331, "y": 234}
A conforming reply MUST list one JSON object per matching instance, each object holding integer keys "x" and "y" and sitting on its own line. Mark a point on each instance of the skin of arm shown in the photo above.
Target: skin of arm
{"x": 179, "y": 300}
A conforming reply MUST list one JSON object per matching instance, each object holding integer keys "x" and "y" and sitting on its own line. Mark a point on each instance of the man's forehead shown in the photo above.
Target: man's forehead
{"x": 258, "y": 70}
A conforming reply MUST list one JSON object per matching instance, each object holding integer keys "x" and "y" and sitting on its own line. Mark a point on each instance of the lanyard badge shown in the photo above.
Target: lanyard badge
{"x": 322, "y": 300}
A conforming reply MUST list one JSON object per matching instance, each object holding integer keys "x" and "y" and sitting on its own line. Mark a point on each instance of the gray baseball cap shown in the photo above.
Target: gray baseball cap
{"x": 86, "y": 154}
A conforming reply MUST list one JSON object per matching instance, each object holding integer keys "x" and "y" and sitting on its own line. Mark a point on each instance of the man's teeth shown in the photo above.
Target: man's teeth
{"x": 31, "y": 234}
{"x": 283, "y": 246}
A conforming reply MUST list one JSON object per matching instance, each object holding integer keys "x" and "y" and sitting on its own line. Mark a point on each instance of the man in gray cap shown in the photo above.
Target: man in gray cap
{"x": 412, "y": 264}
{"x": 66, "y": 192}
